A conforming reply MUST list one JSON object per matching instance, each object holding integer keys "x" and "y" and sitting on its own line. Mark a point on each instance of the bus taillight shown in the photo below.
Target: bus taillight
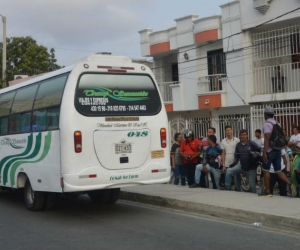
{"x": 77, "y": 142}
{"x": 163, "y": 137}
{"x": 62, "y": 184}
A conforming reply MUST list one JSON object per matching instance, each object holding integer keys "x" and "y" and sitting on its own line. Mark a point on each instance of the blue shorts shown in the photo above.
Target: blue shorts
{"x": 274, "y": 157}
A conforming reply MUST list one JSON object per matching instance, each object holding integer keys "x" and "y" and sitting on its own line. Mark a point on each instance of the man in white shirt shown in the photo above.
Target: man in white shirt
{"x": 258, "y": 139}
{"x": 228, "y": 146}
{"x": 295, "y": 138}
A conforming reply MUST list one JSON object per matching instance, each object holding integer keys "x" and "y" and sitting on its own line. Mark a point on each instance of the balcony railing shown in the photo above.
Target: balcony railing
{"x": 211, "y": 83}
{"x": 166, "y": 91}
{"x": 276, "y": 79}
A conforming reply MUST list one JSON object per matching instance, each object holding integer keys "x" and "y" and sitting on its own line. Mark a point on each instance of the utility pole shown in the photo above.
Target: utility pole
{"x": 4, "y": 52}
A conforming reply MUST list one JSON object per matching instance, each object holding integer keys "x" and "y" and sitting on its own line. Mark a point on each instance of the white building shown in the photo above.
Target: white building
{"x": 224, "y": 69}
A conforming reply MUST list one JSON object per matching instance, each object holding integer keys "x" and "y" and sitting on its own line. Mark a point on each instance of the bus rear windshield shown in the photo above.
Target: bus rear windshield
{"x": 116, "y": 94}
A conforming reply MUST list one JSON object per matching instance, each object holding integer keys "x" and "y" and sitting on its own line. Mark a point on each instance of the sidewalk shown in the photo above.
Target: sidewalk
{"x": 276, "y": 212}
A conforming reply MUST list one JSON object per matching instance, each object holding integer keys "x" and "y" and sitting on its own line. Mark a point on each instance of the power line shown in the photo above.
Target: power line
{"x": 91, "y": 51}
{"x": 249, "y": 47}
{"x": 243, "y": 48}
{"x": 238, "y": 33}
{"x": 243, "y": 57}
{"x": 197, "y": 69}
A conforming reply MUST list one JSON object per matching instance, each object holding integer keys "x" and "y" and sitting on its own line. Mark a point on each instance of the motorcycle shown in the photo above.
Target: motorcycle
{"x": 260, "y": 182}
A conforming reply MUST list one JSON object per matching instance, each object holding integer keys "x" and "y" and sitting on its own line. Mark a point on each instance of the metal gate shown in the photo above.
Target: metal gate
{"x": 287, "y": 114}
{"x": 200, "y": 124}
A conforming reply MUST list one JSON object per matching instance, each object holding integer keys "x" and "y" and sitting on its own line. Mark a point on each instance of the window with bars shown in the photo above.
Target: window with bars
{"x": 295, "y": 49}
{"x": 216, "y": 63}
{"x": 277, "y": 46}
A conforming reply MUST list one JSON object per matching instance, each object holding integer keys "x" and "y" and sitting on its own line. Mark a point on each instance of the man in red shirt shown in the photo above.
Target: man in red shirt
{"x": 190, "y": 150}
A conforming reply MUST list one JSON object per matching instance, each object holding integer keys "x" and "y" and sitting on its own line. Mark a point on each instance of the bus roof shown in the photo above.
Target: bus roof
{"x": 107, "y": 59}
{"x": 39, "y": 78}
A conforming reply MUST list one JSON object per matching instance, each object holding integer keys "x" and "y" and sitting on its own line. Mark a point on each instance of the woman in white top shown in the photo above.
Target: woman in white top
{"x": 274, "y": 178}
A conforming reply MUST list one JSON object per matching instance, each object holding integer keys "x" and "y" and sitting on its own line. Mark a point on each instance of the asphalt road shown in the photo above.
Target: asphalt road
{"x": 77, "y": 224}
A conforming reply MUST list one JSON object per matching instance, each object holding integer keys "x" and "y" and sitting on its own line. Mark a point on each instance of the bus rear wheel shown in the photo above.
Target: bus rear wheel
{"x": 114, "y": 195}
{"x": 34, "y": 201}
{"x": 100, "y": 197}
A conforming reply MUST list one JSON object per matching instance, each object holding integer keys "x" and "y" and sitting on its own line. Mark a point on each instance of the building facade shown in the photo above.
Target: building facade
{"x": 224, "y": 69}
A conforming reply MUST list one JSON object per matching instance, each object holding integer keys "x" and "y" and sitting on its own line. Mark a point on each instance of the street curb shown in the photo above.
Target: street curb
{"x": 237, "y": 215}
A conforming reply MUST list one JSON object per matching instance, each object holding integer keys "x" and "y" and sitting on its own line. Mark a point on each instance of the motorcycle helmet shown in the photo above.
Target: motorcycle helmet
{"x": 188, "y": 133}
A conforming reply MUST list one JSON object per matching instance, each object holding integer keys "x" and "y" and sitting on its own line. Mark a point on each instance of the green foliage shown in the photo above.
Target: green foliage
{"x": 25, "y": 57}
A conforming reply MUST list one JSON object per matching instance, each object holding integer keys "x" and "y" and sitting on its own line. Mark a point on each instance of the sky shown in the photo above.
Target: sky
{"x": 79, "y": 28}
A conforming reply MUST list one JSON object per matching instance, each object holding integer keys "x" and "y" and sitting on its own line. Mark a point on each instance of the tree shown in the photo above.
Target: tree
{"x": 26, "y": 57}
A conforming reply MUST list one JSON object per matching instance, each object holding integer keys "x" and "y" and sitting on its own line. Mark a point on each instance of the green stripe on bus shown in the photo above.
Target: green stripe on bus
{"x": 15, "y": 166}
{"x": 25, "y": 152}
{"x": 34, "y": 153}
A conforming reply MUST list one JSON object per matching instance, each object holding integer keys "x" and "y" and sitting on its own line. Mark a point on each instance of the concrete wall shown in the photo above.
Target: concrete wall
{"x": 185, "y": 31}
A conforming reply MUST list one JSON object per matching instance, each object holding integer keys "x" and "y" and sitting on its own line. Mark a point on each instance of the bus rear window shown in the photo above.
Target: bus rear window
{"x": 117, "y": 94}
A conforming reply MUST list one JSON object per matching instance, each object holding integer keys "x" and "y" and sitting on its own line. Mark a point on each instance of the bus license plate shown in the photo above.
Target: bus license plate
{"x": 122, "y": 148}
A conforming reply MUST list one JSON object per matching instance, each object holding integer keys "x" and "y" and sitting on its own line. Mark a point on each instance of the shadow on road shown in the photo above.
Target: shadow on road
{"x": 73, "y": 208}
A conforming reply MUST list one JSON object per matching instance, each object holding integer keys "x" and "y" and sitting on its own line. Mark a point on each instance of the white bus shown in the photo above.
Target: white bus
{"x": 92, "y": 127}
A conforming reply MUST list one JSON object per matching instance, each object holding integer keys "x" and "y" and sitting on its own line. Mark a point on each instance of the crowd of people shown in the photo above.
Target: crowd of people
{"x": 194, "y": 159}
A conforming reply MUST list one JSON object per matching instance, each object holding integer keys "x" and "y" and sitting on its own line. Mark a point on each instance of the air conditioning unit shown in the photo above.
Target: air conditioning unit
{"x": 17, "y": 77}
{"x": 262, "y": 5}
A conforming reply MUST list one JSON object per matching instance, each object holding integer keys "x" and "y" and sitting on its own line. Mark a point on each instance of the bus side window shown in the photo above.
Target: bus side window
{"x": 6, "y": 102}
{"x": 25, "y": 122}
{"x": 24, "y": 99}
{"x": 4, "y": 125}
{"x": 14, "y": 124}
{"x": 39, "y": 120}
{"x": 52, "y": 118}
{"x": 50, "y": 92}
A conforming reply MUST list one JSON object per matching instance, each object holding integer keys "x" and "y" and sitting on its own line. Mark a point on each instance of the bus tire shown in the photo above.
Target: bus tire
{"x": 100, "y": 197}
{"x": 34, "y": 201}
{"x": 50, "y": 201}
{"x": 114, "y": 195}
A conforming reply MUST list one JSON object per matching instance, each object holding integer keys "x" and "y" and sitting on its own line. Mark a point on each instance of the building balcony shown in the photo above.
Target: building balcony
{"x": 166, "y": 91}
{"x": 276, "y": 82}
{"x": 211, "y": 83}
{"x": 212, "y": 91}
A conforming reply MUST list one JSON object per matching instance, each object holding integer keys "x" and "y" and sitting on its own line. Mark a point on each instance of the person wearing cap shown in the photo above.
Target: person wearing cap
{"x": 296, "y": 170}
{"x": 228, "y": 145}
{"x": 272, "y": 156}
{"x": 243, "y": 154}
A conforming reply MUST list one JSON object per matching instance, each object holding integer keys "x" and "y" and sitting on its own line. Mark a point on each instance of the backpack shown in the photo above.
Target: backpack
{"x": 277, "y": 139}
